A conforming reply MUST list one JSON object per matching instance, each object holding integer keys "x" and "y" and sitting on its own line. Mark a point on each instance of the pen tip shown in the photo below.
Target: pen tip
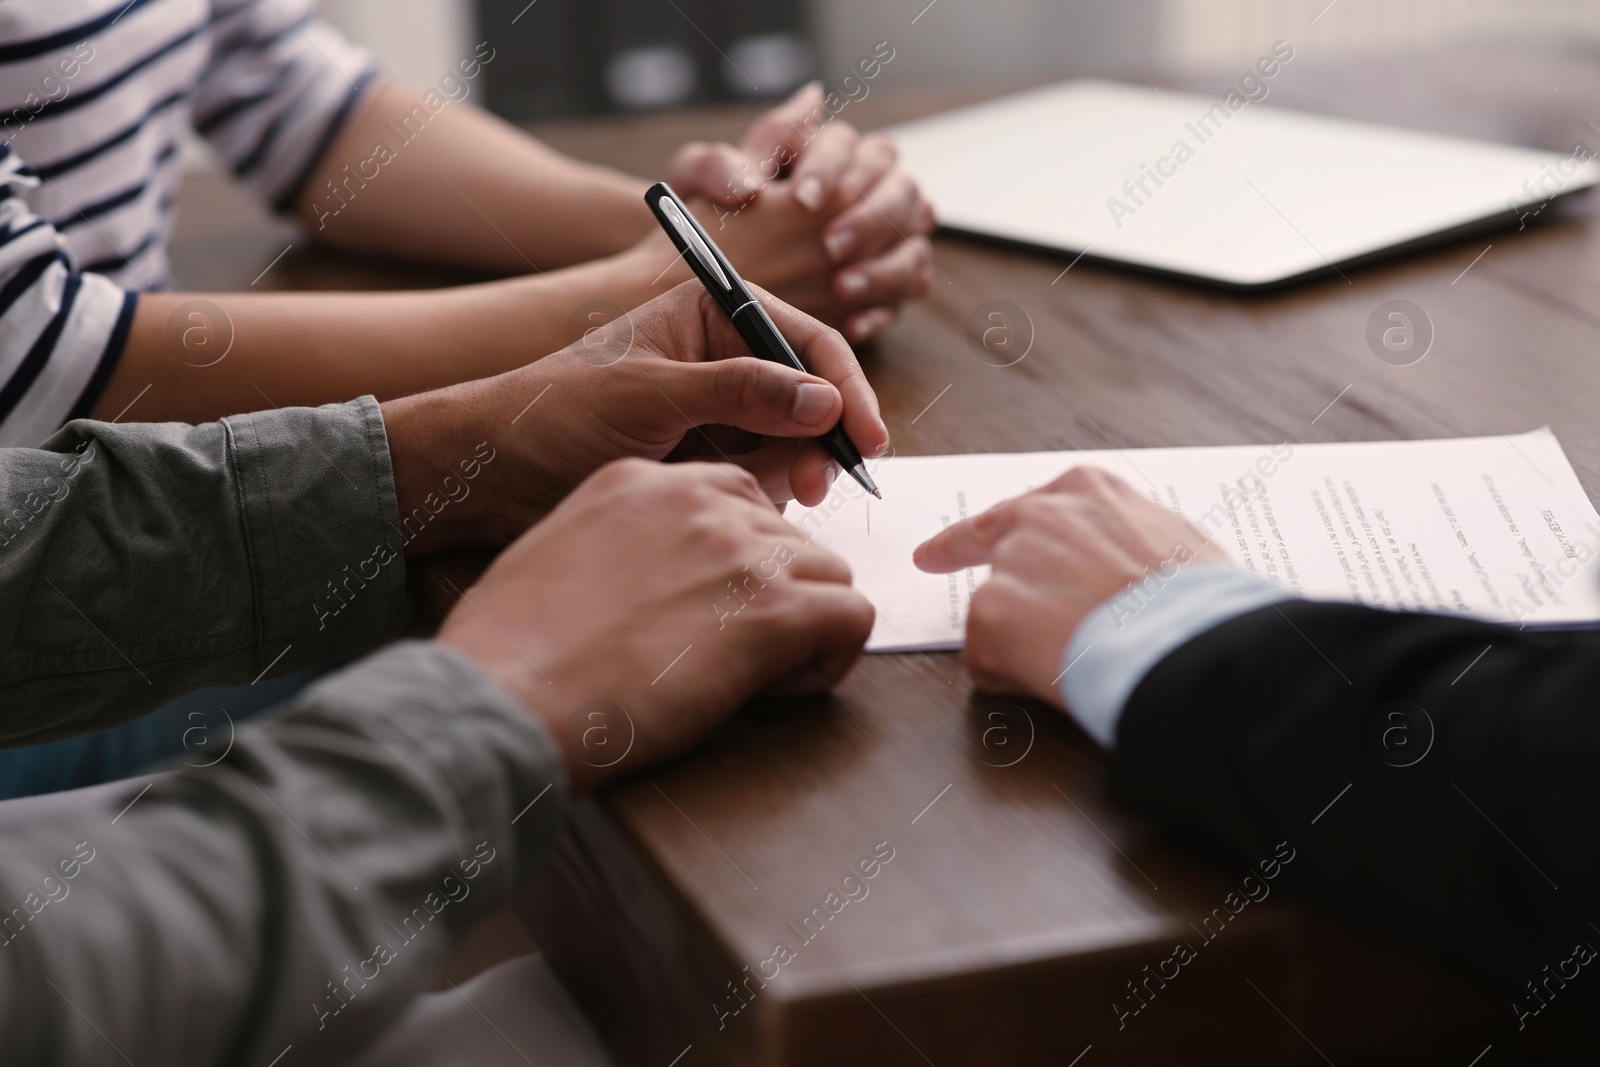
{"x": 863, "y": 479}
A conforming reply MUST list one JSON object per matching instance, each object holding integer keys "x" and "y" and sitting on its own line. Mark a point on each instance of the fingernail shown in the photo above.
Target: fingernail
{"x": 872, "y": 323}
{"x": 853, "y": 282}
{"x": 881, "y": 449}
{"x": 809, "y": 193}
{"x": 832, "y": 472}
{"x": 812, "y": 402}
{"x": 839, "y": 244}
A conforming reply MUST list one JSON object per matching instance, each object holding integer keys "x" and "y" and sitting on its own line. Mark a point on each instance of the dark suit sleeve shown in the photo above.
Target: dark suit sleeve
{"x": 1477, "y": 845}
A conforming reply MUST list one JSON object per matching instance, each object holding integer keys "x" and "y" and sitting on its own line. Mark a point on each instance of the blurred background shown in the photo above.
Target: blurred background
{"x": 574, "y": 57}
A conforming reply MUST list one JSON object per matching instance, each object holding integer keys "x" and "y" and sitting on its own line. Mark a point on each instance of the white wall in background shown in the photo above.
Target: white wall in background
{"x": 1225, "y": 31}
{"x": 1010, "y": 40}
{"x": 415, "y": 40}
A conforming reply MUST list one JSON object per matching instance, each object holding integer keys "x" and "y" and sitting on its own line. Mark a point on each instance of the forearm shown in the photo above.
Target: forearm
{"x": 268, "y": 350}
{"x": 141, "y": 561}
{"x": 1281, "y": 726}
{"x": 298, "y": 892}
{"x": 467, "y": 189}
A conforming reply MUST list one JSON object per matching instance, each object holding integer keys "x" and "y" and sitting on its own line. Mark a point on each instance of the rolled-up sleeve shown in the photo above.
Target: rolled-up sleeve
{"x": 295, "y": 895}
{"x": 278, "y": 88}
{"x": 141, "y": 561}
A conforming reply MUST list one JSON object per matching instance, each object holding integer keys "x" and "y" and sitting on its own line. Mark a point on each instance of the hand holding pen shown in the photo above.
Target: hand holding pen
{"x": 738, "y": 301}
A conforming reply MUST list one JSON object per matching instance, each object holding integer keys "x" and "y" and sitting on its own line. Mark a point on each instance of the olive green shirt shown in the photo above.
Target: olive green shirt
{"x": 297, "y": 892}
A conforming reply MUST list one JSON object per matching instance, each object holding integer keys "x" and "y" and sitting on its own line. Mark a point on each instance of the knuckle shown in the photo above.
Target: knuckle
{"x": 1034, "y": 551}
{"x": 746, "y": 479}
{"x": 689, "y": 157}
{"x": 828, "y": 558}
{"x": 862, "y": 616}
{"x": 718, "y": 485}
{"x": 718, "y": 538}
{"x": 734, "y": 383}
{"x": 683, "y": 499}
{"x": 1075, "y": 480}
{"x": 1001, "y": 515}
{"x": 732, "y": 479}
{"x": 1036, "y": 509}
{"x": 908, "y": 258}
{"x": 982, "y": 654}
{"x": 624, "y": 472}
{"x": 746, "y": 385}
{"x": 1107, "y": 486}
{"x": 1097, "y": 476}
{"x": 986, "y": 610}
{"x": 1009, "y": 551}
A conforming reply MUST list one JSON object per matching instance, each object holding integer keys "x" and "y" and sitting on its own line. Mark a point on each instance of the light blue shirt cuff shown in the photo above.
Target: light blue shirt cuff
{"x": 1120, "y": 641}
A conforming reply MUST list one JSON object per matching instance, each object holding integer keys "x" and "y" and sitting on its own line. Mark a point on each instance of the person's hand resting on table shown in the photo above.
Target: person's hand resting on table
{"x": 1057, "y": 553}
{"x": 641, "y": 387}
{"x": 611, "y": 603}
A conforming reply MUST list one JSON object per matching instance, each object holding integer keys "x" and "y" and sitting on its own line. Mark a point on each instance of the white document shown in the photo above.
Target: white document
{"x": 1494, "y": 527}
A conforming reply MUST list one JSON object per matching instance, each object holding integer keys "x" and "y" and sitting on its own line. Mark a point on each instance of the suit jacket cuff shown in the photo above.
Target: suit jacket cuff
{"x": 1120, "y": 641}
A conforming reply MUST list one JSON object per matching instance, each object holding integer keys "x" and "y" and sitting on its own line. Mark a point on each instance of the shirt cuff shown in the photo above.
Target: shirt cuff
{"x": 330, "y": 576}
{"x": 1120, "y": 641}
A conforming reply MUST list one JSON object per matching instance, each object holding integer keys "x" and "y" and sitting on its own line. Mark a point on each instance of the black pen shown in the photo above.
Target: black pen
{"x": 749, "y": 317}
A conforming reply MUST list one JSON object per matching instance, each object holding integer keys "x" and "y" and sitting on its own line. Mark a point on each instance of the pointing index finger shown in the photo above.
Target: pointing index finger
{"x": 969, "y": 543}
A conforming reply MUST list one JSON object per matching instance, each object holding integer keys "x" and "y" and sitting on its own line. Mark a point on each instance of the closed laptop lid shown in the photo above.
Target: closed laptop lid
{"x": 1218, "y": 188}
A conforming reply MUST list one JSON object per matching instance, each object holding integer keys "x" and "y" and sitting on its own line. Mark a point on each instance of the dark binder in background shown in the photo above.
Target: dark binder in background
{"x": 564, "y": 57}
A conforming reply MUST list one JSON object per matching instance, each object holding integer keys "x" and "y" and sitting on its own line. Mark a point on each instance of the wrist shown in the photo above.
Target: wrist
{"x": 486, "y": 648}
{"x": 649, "y": 268}
{"x": 436, "y": 453}
{"x": 618, "y": 199}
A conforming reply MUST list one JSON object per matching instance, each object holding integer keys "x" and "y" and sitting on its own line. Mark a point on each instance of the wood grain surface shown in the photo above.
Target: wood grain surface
{"x": 1018, "y": 907}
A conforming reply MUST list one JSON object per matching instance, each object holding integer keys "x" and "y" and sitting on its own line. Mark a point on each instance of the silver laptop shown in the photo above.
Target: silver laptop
{"x": 1244, "y": 196}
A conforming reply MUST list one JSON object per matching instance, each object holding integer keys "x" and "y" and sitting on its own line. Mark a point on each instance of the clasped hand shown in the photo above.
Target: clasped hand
{"x": 814, "y": 211}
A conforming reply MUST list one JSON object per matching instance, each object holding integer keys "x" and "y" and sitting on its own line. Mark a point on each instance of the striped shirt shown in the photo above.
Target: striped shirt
{"x": 94, "y": 97}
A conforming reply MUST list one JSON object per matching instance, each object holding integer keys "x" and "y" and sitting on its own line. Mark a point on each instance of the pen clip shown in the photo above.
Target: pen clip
{"x": 692, "y": 240}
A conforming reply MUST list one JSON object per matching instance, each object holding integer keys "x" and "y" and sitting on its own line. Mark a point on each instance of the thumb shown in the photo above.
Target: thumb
{"x": 752, "y": 394}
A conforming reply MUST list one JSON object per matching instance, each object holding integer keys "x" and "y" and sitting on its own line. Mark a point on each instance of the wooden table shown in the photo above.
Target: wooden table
{"x": 1018, "y": 905}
